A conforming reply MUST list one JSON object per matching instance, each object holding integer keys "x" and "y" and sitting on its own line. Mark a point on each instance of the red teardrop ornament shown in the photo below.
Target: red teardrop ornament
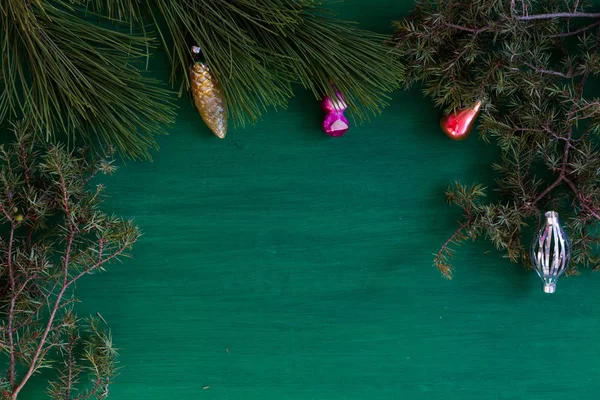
{"x": 458, "y": 125}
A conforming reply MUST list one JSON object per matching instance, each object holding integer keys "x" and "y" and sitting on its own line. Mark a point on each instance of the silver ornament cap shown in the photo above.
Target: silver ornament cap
{"x": 551, "y": 252}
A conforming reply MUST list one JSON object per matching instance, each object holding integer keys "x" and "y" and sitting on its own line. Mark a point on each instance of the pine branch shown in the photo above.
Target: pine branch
{"x": 90, "y": 84}
{"x": 71, "y": 75}
{"x": 582, "y": 200}
{"x": 466, "y": 198}
{"x": 259, "y": 49}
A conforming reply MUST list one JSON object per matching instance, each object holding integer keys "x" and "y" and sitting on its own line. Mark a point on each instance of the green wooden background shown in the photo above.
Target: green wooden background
{"x": 284, "y": 264}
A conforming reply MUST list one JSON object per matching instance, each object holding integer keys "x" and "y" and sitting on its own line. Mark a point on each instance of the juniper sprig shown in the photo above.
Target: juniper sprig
{"x": 54, "y": 233}
{"x": 533, "y": 64}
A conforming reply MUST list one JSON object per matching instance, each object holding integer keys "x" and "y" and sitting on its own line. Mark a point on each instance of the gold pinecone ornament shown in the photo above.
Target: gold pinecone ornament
{"x": 209, "y": 98}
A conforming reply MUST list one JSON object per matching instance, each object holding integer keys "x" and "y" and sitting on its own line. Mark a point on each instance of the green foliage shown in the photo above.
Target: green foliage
{"x": 529, "y": 61}
{"x": 259, "y": 48}
{"x": 53, "y": 234}
{"x": 499, "y": 222}
{"x": 70, "y": 74}
{"x": 89, "y": 355}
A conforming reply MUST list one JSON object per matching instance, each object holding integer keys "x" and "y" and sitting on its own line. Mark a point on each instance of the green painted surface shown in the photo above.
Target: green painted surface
{"x": 283, "y": 264}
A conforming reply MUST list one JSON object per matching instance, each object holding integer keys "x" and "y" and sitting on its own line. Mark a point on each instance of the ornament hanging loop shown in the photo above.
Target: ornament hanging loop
{"x": 196, "y": 50}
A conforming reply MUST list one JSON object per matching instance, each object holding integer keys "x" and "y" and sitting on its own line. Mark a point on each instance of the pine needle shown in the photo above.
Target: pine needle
{"x": 72, "y": 76}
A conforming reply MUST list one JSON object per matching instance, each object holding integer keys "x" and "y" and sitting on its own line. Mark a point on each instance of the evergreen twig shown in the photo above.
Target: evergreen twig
{"x": 70, "y": 74}
{"x": 545, "y": 127}
{"x": 557, "y": 15}
{"x": 66, "y": 73}
{"x": 57, "y": 234}
{"x": 259, "y": 49}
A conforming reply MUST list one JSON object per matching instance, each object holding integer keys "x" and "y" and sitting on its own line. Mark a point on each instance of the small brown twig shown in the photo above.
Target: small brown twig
{"x": 537, "y": 17}
{"x": 563, "y": 170}
{"x": 447, "y": 272}
{"x": 582, "y": 199}
{"x": 575, "y": 32}
{"x": 452, "y": 237}
{"x": 70, "y": 363}
{"x": 11, "y": 310}
{"x": 467, "y": 29}
{"x": 550, "y": 72}
{"x": 557, "y": 15}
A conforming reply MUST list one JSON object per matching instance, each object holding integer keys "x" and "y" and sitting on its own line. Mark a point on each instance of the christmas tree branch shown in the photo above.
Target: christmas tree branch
{"x": 71, "y": 75}
{"x": 582, "y": 199}
{"x": 463, "y": 197}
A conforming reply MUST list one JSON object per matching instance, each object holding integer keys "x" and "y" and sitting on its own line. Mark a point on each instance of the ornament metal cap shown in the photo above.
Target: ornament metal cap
{"x": 551, "y": 217}
{"x": 550, "y": 288}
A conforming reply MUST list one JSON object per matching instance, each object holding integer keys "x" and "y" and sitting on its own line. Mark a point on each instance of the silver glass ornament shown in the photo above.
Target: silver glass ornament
{"x": 551, "y": 252}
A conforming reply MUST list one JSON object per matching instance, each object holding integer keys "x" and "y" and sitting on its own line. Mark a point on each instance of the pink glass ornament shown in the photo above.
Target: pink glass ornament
{"x": 335, "y": 123}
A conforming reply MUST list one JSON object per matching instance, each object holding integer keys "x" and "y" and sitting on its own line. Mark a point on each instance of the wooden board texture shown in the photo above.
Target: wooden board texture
{"x": 283, "y": 264}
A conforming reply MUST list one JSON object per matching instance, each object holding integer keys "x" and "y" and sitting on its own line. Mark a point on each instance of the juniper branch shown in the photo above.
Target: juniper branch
{"x": 537, "y": 115}
{"x": 42, "y": 268}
